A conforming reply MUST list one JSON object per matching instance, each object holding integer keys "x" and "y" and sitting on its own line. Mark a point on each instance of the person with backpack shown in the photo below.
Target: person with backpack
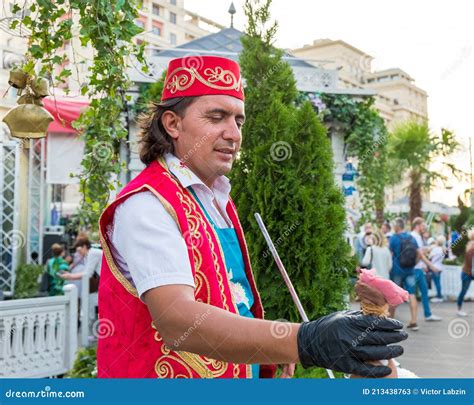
{"x": 422, "y": 266}
{"x": 467, "y": 274}
{"x": 404, "y": 257}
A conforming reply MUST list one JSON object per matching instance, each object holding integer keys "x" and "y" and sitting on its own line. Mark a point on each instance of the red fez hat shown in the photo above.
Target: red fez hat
{"x": 202, "y": 76}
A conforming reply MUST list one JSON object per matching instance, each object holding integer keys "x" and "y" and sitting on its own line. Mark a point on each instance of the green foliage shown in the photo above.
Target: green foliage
{"x": 285, "y": 172}
{"x": 107, "y": 26}
{"x": 85, "y": 364}
{"x": 412, "y": 148}
{"x": 26, "y": 280}
{"x": 366, "y": 139}
{"x": 148, "y": 92}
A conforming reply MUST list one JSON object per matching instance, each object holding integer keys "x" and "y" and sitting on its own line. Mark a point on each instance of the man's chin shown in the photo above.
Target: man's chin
{"x": 223, "y": 168}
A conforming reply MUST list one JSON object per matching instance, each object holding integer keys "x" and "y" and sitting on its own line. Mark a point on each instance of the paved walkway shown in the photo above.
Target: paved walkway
{"x": 442, "y": 349}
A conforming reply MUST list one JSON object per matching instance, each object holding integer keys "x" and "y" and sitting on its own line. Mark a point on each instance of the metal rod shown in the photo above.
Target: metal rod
{"x": 284, "y": 274}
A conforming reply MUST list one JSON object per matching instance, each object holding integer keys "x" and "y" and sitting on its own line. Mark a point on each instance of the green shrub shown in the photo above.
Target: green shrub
{"x": 26, "y": 281}
{"x": 85, "y": 365}
{"x": 285, "y": 172}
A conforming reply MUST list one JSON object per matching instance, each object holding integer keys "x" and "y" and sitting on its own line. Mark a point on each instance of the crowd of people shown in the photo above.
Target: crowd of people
{"x": 412, "y": 259}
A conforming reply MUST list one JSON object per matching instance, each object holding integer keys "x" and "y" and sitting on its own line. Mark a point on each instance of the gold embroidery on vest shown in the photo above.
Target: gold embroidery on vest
{"x": 190, "y": 361}
{"x": 105, "y": 246}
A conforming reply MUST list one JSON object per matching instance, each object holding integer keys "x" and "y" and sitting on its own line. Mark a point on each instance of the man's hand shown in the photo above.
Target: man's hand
{"x": 344, "y": 341}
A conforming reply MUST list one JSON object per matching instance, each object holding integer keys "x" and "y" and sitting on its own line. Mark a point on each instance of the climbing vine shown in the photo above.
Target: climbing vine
{"x": 105, "y": 29}
{"x": 366, "y": 141}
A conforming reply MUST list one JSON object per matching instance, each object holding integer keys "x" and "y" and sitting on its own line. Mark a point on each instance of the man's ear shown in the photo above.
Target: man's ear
{"x": 171, "y": 123}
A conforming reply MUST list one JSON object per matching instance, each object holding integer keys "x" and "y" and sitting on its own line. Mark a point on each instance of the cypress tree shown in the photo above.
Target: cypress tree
{"x": 285, "y": 172}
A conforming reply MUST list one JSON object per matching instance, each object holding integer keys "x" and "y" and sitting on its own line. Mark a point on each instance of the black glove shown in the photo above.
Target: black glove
{"x": 342, "y": 341}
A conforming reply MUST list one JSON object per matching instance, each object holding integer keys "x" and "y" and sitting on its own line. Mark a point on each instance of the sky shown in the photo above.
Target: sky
{"x": 433, "y": 41}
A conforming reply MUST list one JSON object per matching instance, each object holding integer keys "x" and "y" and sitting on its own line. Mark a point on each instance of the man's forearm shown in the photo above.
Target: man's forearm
{"x": 210, "y": 331}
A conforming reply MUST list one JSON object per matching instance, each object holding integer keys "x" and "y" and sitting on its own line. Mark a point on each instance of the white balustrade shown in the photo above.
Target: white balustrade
{"x": 451, "y": 283}
{"x": 38, "y": 336}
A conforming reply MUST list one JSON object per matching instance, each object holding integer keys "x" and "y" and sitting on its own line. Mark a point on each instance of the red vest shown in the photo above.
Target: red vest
{"x": 129, "y": 346}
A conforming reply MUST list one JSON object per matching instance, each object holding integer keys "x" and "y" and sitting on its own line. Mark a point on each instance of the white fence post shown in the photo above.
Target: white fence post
{"x": 38, "y": 336}
{"x": 70, "y": 291}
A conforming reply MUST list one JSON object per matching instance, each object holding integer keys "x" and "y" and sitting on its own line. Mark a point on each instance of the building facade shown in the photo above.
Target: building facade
{"x": 397, "y": 96}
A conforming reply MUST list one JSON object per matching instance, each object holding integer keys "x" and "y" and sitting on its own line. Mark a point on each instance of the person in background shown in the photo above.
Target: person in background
{"x": 377, "y": 255}
{"x": 404, "y": 276}
{"x": 78, "y": 262}
{"x": 361, "y": 244}
{"x": 93, "y": 260}
{"x": 426, "y": 237}
{"x": 386, "y": 230}
{"x": 437, "y": 254}
{"x": 418, "y": 229}
{"x": 55, "y": 267}
{"x": 467, "y": 274}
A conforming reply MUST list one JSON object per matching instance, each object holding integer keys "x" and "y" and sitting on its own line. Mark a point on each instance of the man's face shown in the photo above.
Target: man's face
{"x": 208, "y": 137}
{"x": 82, "y": 250}
{"x": 421, "y": 228}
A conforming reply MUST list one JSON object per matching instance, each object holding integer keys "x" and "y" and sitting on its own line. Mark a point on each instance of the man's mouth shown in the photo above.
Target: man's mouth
{"x": 227, "y": 151}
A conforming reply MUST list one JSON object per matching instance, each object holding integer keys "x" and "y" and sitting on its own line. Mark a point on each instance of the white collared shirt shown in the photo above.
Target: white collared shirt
{"x": 147, "y": 244}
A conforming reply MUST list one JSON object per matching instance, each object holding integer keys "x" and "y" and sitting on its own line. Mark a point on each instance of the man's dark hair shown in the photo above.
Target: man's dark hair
{"x": 80, "y": 242}
{"x": 154, "y": 141}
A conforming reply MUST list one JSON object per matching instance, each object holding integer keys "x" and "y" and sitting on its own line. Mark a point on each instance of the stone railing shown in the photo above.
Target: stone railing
{"x": 38, "y": 336}
{"x": 451, "y": 283}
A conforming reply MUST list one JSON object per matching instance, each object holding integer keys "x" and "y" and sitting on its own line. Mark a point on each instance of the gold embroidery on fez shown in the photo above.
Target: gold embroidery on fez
{"x": 182, "y": 78}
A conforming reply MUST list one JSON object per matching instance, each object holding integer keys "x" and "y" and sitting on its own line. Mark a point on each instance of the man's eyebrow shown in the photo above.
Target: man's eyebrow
{"x": 225, "y": 113}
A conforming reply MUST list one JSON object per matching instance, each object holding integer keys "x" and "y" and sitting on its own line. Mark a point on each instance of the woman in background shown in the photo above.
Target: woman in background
{"x": 437, "y": 254}
{"x": 377, "y": 255}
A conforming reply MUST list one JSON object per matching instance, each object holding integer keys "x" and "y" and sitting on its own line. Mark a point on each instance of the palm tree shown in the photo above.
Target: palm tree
{"x": 412, "y": 148}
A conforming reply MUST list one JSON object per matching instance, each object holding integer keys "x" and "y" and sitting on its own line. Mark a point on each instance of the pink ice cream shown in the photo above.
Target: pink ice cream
{"x": 393, "y": 294}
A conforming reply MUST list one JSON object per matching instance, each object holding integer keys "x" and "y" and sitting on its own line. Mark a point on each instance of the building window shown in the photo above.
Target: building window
{"x": 173, "y": 2}
{"x": 140, "y": 23}
{"x": 173, "y": 39}
{"x": 156, "y": 31}
{"x": 173, "y": 18}
{"x": 155, "y": 9}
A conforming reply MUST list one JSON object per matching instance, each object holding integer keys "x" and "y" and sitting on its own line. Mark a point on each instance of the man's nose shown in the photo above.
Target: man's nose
{"x": 232, "y": 131}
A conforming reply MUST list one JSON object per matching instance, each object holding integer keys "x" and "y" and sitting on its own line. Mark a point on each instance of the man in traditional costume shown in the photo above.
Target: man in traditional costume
{"x": 177, "y": 296}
